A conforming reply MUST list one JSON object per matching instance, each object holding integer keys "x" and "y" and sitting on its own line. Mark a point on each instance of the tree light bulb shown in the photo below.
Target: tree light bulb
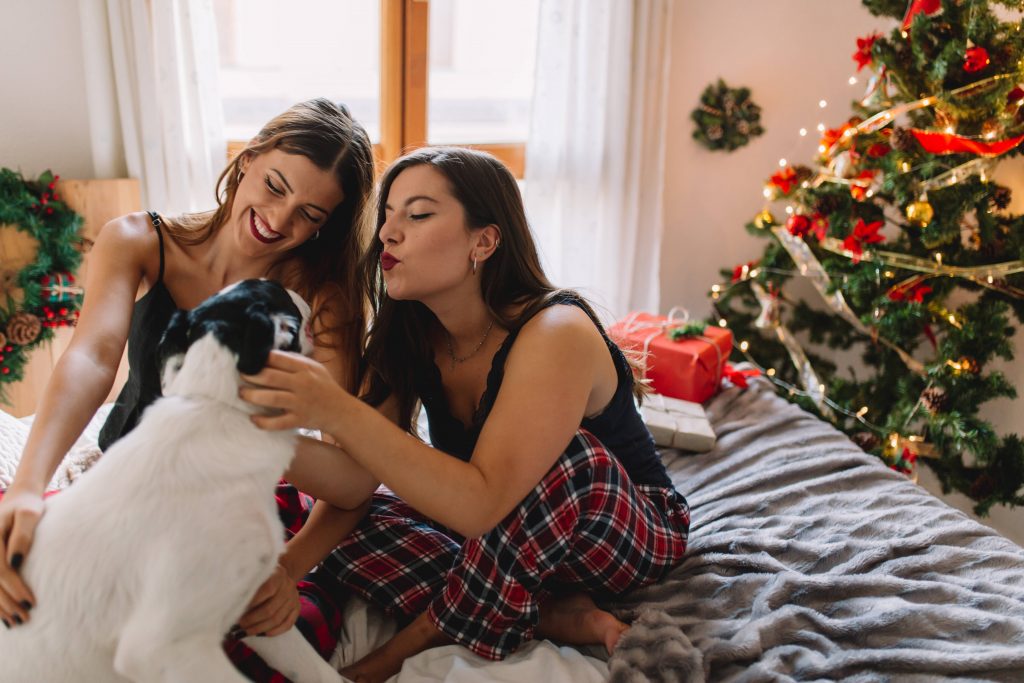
{"x": 803, "y": 132}
{"x": 782, "y": 162}
{"x": 853, "y": 80}
{"x": 744, "y": 345}
{"x": 722, "y": 323}
{"x": 822, "y": 103}
{"x": 862, "y": 412}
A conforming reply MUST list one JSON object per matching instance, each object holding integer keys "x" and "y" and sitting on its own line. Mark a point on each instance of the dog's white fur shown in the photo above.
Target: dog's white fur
{"x": 142, "y": 566}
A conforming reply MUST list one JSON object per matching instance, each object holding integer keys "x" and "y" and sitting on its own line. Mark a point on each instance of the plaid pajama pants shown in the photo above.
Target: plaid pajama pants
{"x": 586, "y": 527}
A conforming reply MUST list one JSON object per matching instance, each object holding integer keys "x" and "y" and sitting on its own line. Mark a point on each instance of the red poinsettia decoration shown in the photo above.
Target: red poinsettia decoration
{"x": 860, "y": 184}
{"x": 784, "y": 180}
{"x": 915, "y": 293}
{"x": 833, "y": 135}
{"x": 863, "y": 233}
{"x": 739, "y": 271}
{"x": 819, "y": 226}
{"x": 863, "y": 54}
{"x": 975, "y": 59}
{"x": 878, "y": 150}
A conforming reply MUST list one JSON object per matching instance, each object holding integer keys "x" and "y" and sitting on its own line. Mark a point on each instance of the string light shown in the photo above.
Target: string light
{"x": 821, "y": 127}
{"x": 822, "y": 104}
{"x": 744, "y": 345}
{"x": 782, "y": 162}
{"x": 722, "y": 323}
{"x": 853, "y": 80}
{"x": 862, "y": 412}
{"x": 803, "y": 132}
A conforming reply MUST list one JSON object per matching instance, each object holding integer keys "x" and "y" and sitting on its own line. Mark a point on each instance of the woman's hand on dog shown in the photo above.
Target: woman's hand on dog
{"x": 19, "y": 515}
{"x": 274, "y": 609}
{"x": 300, "y": 389}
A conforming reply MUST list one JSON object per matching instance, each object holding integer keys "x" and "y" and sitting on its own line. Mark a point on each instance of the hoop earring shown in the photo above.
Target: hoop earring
{"x": 474, "y": 265}
{"x": 316, "y": 235}
{"x": 238, "y": 178}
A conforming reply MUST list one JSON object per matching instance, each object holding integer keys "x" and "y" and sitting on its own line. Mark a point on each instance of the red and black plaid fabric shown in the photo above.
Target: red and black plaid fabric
{"x": 586, "y": 526}
{"x": 320, "y": 617}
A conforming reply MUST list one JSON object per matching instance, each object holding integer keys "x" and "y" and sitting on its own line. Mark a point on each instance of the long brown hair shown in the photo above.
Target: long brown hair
{"x": 324, "y": 270}
{"x": 513, "y": 283}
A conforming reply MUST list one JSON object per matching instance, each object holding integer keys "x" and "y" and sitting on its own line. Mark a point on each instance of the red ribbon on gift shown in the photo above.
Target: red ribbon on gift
{"x": 739, "y": 377}
{"x": 947, "y": 143}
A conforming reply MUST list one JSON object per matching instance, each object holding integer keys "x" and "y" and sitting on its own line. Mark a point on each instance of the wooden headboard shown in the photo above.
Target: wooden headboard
{"x": 97, "y": 201}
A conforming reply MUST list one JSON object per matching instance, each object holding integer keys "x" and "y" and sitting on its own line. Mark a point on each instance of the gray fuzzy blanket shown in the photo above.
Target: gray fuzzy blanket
{"x": 810, "y": 560}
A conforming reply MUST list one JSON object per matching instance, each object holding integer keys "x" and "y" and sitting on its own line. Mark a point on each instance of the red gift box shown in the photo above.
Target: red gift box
{"x": 690, "y": 368}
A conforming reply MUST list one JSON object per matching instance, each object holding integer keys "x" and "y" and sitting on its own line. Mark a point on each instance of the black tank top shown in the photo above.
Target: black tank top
{"x": 619, "y": 426}
{"x": 150, "y": 317}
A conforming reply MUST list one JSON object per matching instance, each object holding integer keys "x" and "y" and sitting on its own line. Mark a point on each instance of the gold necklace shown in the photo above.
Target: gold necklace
{"x": 451, "y": 352}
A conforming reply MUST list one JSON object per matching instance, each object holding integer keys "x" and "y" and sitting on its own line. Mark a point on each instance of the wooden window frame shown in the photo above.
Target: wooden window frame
{"x": 404, "y": 75}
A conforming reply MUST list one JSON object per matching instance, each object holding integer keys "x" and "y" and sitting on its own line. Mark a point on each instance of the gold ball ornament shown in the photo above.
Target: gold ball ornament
{"x": 23, "y": 328}
{"x": 968, "y": 364}
{"x": 765, "y": 219}
{"x": 920, "y": 213}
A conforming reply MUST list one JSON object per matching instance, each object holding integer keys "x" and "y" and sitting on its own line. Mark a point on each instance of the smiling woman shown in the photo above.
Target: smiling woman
{"x": 292, "y": 207}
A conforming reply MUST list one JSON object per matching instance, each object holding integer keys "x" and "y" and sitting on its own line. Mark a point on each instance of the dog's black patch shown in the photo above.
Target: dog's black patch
{"x": 242, "y": 319}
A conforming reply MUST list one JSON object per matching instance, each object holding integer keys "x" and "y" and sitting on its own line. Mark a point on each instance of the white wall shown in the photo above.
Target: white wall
{"x": 43, "y": 122}
{"x": 791, "y": 53}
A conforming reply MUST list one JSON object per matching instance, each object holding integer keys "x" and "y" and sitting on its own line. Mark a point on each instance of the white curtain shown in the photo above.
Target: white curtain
{"x": 164, "y": 60}
{"x": 596, "y": 150}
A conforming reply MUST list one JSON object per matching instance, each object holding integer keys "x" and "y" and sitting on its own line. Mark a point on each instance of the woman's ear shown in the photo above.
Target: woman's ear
{"x": 488, "y": 240}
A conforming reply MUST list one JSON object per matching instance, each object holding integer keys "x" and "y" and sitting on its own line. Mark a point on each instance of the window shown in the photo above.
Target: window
{"x": 412, "y": 71}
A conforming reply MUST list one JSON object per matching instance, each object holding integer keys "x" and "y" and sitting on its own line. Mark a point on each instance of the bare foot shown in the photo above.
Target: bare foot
{"x": 576, "y": 620}
{"x": 387, "y": 660}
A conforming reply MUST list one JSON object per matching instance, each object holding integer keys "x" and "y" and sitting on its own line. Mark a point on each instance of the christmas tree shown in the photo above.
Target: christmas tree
{"x": 914, "y": 261}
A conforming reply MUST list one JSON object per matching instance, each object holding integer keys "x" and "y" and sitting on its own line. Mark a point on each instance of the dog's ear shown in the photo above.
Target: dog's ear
{"x": 257, "y": 339}
{"x": 172, "y": 347}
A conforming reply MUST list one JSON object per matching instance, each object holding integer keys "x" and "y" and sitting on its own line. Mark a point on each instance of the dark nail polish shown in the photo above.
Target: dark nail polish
{"x": 263, "y": 635}
{"x": 16, "y": 559}
{"x": 234, "y": 628}
{"x": 17, "y": 619}
{"x": 237, "y": 634}
{"x": 25, "y": 605}
{"x": 6, "y": 623}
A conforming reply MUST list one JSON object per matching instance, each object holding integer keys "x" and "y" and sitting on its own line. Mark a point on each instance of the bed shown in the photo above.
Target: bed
{"x": 808, "y": 560}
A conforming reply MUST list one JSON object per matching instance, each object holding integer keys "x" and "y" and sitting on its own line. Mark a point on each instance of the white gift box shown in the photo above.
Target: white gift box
{"x": 675, "y": 423}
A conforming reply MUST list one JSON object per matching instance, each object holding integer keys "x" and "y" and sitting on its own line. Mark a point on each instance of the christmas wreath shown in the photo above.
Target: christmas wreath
{"x": 726, "y": 118}
{"x": 39, "y": 252}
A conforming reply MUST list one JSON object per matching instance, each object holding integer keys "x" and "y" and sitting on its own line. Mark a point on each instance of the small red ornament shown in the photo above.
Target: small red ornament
{"x": 819, "y": 226}
{"x": 798, "y": 225}
{"x": 975, "y": 59}
{"x": 739, "y": 271}
{"x": 6, "y": 371}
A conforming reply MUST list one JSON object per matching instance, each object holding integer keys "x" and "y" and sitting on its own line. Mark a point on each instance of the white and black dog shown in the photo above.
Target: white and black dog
{"x": 142, "y": 565}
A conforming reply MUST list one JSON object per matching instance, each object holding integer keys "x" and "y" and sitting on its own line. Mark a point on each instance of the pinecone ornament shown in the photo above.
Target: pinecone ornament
{"x": 1001, "y": 197}
{"x": 903, "y": 140}
{"x": 935, "y": 400}
{"x": 982, "y": 487}
{"x": 828, "y": 204}
{"x": 866, "y": 440}
{"x": 23, "y": 328}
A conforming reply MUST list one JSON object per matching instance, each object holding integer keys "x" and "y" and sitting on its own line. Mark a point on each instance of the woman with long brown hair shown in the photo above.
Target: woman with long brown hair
{"x": 542, "y": 489}
{"x": 295, "y": 206}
